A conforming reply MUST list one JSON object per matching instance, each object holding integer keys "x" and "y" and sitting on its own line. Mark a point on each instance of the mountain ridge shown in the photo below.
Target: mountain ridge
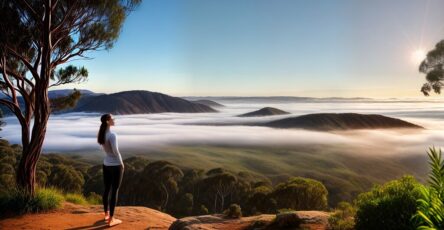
{"x": 341, "y": 121}
{"x": 266, "y": 111}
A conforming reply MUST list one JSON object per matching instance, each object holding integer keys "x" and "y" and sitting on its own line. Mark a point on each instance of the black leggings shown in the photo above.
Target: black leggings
{"x": 112, "y": 176}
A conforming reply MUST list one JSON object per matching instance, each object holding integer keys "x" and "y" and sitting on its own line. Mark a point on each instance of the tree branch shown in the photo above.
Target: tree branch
{"x": 25, "y": 61}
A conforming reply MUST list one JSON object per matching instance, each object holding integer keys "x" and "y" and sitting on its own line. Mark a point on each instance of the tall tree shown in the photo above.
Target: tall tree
{"x": 37, "y": 39}
{"x": 433, "y": 67}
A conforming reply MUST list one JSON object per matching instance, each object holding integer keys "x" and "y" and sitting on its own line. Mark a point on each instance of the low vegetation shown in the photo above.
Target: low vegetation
{"x": 342, "y": 218}
{"x": 388, "y": 206}
{"x": 15, "y": 201}
{"x": 234, "y": 211}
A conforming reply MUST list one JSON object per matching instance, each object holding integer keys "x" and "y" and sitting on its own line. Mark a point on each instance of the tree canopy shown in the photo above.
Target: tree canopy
{"x": 433, "y": 67}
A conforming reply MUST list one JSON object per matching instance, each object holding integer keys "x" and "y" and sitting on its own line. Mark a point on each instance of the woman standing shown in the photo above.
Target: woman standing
{"x": 112, "y": 168}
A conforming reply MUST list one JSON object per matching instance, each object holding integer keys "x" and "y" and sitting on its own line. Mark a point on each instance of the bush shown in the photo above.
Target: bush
{"x": 287, "y": 220}
{"x": 203, "y": 210}
{"x": 343, "y": 217}
{"x": 16, "y": 201}
{"x": 390, "y": 206}
{"x": 76, "y": 198}
{"x": 234, "y": 211}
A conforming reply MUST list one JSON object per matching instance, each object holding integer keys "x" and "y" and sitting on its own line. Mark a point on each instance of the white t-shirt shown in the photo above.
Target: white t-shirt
{"x": 111, "y": 149}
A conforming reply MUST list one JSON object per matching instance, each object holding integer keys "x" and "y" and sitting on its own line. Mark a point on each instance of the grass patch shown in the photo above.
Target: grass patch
{"x": 76, "y": 198}
{"x": 15, "y": 201}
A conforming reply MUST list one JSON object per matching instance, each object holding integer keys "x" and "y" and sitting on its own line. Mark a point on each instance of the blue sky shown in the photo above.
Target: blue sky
{"x": 268, "y": 48}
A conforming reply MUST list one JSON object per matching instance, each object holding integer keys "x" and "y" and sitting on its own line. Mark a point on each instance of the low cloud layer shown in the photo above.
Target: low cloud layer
{"x": 77, "y": 131}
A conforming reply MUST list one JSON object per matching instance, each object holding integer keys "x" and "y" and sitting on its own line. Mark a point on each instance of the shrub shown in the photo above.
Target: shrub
{"x": 76, "y": 198}
{"x": 16, "y": 201}
{"x": 389, "y": 206}
{"x": 343, "y": 217}
{"x": 234, "y": 211}
{"x": 287, "y": 220}
{"x": 430, "y": 214}
{"x": 203, "y": 210}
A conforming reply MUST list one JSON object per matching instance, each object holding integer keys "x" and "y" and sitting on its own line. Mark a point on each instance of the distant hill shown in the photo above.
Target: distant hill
{"x": 61, "y": 93}
{"x": 267, "y": 111}
{"x": 340, "y": 121}
{"x": 66, "y": 92}
{"x": 51, "y": 94}
{"x": 138, "y": 102}
{"x": 209, "y": 103}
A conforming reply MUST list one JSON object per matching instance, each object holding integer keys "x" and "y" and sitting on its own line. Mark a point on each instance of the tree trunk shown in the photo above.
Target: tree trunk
{"x": 166, "y": 197}
{"x": 215, "y": 202}
{"x": 31, "y": 152}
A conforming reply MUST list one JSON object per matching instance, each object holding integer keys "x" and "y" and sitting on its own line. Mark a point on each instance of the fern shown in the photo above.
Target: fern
{"x": 430, "y": 213}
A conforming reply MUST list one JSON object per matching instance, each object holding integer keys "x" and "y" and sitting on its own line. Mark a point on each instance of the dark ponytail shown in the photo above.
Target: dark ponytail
{"x": 103, "y": 127}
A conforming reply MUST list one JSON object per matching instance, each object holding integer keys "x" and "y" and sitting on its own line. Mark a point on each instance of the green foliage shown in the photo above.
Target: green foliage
{"x": 343, "y": 217}
{"x": 234, "y": 211}
{"x": 301, "y": 194}
{"x": 430, "y": 214}
{"x": 65, "y": 102}
{"x": 16, "y": 201}
{"x": 76, "y": 198}
{"x": 94, "y": 198}
{"x": 67, "y": 178}
{"x": 433, "y": 67}
{"x": 390, "y": 206}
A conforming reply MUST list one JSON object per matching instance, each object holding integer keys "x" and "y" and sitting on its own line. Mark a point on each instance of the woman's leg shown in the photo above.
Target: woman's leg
{"x": 116, "y": 181}
{"x": 107, "y": 176}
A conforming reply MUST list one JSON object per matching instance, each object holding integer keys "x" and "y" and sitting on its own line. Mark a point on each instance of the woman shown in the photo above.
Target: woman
{"x": 112, "y": 168}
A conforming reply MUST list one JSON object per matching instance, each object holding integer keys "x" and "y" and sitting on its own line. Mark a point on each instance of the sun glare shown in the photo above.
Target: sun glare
{"x": 418, "y": 56}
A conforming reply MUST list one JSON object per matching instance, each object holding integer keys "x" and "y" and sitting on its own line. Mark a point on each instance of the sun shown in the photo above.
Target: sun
{"x": 418, "y": 56}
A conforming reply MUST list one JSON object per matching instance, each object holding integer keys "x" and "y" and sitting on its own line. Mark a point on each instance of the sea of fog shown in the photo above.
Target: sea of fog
{"x": 76, "y": 132}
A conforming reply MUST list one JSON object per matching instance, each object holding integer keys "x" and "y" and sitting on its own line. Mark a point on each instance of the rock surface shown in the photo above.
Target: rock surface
{"x": 76, "y": 217}
{"x": 310, "y": 220}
